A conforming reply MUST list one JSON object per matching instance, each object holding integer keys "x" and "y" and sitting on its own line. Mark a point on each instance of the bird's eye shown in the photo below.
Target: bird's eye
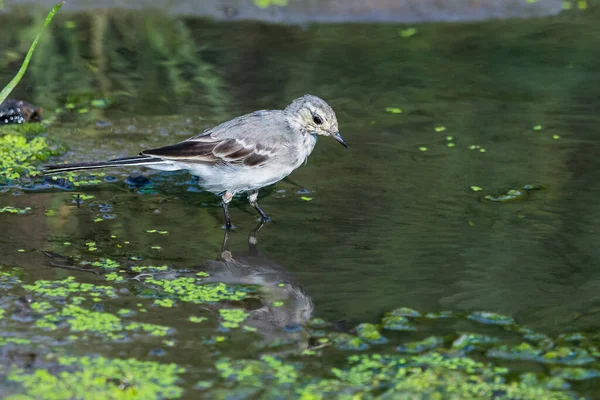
{"x": 317, "y": 120}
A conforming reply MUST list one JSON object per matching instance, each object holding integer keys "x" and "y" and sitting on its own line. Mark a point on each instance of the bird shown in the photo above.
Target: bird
{"x": 242, "y": 155}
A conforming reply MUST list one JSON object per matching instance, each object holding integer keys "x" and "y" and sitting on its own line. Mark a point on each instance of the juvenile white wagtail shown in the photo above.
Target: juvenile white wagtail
{"x": 242, "y": 155}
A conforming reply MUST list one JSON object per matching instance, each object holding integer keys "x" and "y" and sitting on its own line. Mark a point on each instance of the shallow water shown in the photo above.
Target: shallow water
{"x": 392, "y": 221}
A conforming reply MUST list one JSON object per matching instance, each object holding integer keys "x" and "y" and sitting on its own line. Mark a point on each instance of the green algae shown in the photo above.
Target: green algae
{"x": 192, "y": 291}
{"x": 430, "y": 376}
{"x": 393, "y": 322}
{"x": 511, "y": 195}
{"x": 106, "y": 263}
{"x": 149, "y": 268}
{"x": 370, "y": 334}
{"x": 345, "y": 341}
{"x": 485, "y": 317}
{"x": 20, "y": 156}
{"x": 69, "y": 286}
{"x": 99, "y": 378}
{"x": 420, "y": 346}
{"x": 14, "y": 210}
{"x": 526, "y": 351}
{"x": 473, "y": 341}
{"x": 232, "y": 317}
{"x": 108, "y": 326}
{"x": 10, "y": 277}
{"x": 168, "y": 303}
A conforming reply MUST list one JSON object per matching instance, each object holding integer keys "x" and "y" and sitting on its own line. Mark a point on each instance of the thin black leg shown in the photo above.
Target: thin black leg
{"x": 226, "y": 199}
{"x": 227, "y": 219}
{"x": 263, "y": 214}
{"x": 252, "y": 197}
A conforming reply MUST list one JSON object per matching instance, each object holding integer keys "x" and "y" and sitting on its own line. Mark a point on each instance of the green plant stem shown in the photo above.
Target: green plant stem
{"x": 15, "y": 81}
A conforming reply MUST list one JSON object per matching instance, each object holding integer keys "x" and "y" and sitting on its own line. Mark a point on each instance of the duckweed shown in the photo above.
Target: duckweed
{"x": 370, "y": 334}
{"x": 232, "y": 317}
{"x": 485, "y": 317}
{"x": 393, "y": 110}
{"x": 99, "y": 378}
{"x": 431, "y": 376}
{"x": 471, "y": 341}
{"x": 511, "y": 195}
{"x": 393, "y": 322}
{"x": 69, "y": 286}
{"x": 109, "y": 326}
{"x": 19, "y": 156}
{"x": 14, "y": 210}
{"x": 106, "y": 263}
{"x": 420, "y": 346}
{"x": 189, "y": 290}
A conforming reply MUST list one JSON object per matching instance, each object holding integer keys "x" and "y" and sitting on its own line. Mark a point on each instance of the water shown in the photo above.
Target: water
{"x": 393, "y": 220}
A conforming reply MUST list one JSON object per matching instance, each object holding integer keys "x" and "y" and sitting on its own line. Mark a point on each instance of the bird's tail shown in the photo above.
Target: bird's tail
{"x": 117, "y": 162}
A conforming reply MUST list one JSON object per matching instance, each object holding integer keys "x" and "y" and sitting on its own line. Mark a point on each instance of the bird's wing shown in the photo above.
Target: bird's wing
{"x": 209, "y": 150}
{"x": 249, "y": 140}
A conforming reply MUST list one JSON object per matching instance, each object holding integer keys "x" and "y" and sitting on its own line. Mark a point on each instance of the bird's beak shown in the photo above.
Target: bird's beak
{"x": 340, "y": 139}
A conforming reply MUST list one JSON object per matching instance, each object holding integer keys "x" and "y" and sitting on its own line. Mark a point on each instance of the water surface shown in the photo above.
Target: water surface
{"x": 392, "y": 221}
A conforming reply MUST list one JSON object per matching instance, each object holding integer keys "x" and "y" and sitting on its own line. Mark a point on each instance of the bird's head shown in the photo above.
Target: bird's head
{"x": 315, "y": 117}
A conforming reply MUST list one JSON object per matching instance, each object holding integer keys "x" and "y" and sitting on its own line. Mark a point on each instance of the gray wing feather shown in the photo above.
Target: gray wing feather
{"x": 246, "y": 140}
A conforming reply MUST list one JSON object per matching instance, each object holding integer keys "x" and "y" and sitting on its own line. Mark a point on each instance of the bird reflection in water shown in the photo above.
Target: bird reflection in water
{"x": 284, "y": 306}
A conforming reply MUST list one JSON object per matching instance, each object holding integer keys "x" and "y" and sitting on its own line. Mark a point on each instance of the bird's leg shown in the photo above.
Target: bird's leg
{"x": 226, "y": 200}
{"x": 252, "y": 197}
{"x": 225, "y": 252}
{"x": 253, "y": 240}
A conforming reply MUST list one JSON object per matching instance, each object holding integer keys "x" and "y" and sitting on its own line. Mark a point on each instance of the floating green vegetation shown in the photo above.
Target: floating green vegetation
{"x": 108, "y": 326}
{"x": 193, "y": 291}
{"x": 408, "y": 32}
{"x": 526, "y": 351}
{"x": 232, "y": 317}
{"x": 168, "y": 303}
{"x": 99, "y": 378}
{"x": 69, "y": 286}
{"x": 511, "y": 195}
{"x": 14, "y": 210}
{"x": 397, "y": 320}
{"x": 429, "y": 376}
{"x": 471, "y": 341}
{"x": 345, "y": 341}
{"x": 19, "y": 156}
{"x": 485, "y": 317}
{"x": 267, "y": 3}
{"x": 83, "y": 197}
{"x": 393, "y": 110}
{"x": 10, "y": 276}
{"x": 370, "y": 334}
{"x": 420, "y": 346}
{"x": 157, "y": 231}
{"x": 106, "y": 263}
{"x": 13, "y": 340}
{"x": 149, "y": 268}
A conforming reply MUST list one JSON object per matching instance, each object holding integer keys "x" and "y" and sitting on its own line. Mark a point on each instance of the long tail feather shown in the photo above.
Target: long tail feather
{"x": 118, "y": 162}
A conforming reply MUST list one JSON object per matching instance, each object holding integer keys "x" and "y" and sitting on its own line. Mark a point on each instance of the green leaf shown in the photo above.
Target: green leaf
{"x": 15, "y": 81}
